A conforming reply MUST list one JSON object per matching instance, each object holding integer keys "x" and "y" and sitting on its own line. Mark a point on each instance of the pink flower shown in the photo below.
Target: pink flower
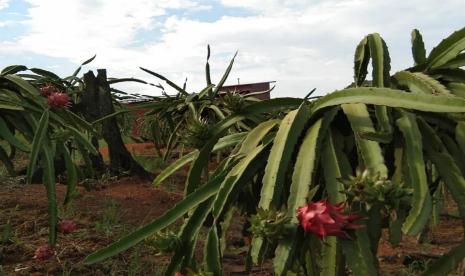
{"x": 58, "y": 99}
{"x": 325, "y": 219}
{"x": 67, "y": 226}
{"x": 43, "y": 253}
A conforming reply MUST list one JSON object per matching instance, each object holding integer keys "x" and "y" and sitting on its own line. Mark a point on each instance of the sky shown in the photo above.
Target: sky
{"x": 300, "y": 44}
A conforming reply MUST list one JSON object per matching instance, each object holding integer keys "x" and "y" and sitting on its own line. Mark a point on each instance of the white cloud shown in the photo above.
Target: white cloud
{"x": 4, "y": 4}
{"x": 300, "y": 45}
{"x": 70, "y": 28}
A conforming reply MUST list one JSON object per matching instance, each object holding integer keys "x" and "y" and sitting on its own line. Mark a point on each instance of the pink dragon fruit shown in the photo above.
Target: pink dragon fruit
{"x": 58, "y": 99}
{"x": 67, "y": 226}
{"x": 44, "y": 252}
{"x": 325, "y": 219}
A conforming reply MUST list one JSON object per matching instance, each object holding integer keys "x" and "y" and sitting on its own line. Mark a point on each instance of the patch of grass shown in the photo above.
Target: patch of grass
{"x": 103, "y": 181}
{"x": 110, "y": 217}
{"x": 135, "y": 265}
{"x": 67, "y": 211}
{"x": 143, "y": 266}
{"x": 416, "y": 266}
{"x": 107, "y": 178}
{"x": 3, "y": 171}
{"x": 67, "y": 268}
{"x": 7, "y": 234}
{"x": 165, "y": 241}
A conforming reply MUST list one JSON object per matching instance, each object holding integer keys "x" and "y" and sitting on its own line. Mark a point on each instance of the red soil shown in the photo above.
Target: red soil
{"x": 25, "y": 207}
{"x": 137, "y": 148}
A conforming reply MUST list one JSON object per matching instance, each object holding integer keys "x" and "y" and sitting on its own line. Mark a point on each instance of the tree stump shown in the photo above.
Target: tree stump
{"x": 97, "y": 103}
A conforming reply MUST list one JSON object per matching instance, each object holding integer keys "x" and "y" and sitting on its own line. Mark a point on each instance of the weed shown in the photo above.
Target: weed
{"x": 66, "y": 269}
{"x": 67, "y": 211}
{"x": 7, "y": 234}
{"x": 106, "y": 179}
{"x": 416, "y": 266}
{"x": 110, "y": 217}
{"x": 163, "y": 241}
{"x": 3, "y": 171}
{"x": 143, "y": 266}
{"x": 135, "y": 265}
{"x": 102, "y": 182}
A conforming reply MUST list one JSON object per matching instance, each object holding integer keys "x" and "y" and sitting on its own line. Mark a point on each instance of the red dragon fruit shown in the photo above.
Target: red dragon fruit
{"x": 325, "y": 219}
{"x": 58, "y": 99}
{"x": 67, "y": 226}
{"x": 44, "y": 252}
{"x": 47, "y": 90}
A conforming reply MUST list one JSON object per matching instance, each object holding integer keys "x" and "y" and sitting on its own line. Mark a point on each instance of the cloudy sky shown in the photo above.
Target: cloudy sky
{"x": 301, "y": 44}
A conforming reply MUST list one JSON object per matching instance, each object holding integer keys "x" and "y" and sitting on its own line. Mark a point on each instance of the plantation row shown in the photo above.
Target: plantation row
{"x": 317, "y": 178}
